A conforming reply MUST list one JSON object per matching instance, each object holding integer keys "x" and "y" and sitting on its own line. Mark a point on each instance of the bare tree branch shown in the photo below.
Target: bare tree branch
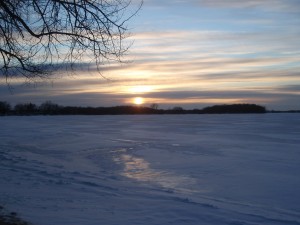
{"x": 35, "y": 35}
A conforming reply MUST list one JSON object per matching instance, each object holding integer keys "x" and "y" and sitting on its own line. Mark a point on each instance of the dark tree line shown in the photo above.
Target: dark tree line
{"x": 235, "y": 108}
{"x": 50, "y": 108}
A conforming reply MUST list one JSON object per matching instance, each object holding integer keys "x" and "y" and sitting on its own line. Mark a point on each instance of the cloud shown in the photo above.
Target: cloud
{"x": 266, "y": 5}
{"x": 294, "y": 89}
{"x": 217, "y": 55}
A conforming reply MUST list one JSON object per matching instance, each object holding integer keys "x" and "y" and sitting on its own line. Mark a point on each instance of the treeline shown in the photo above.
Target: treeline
{"x": 235, "y": 108}
{"x": 50, "y": 108}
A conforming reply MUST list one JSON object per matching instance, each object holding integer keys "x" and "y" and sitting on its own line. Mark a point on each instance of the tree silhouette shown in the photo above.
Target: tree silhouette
{"x": 49, "y": 108}
{"x": 4, "y": 108}
{"x": 26, "y": 109}
{"x": 36, "y": 35}
{"x": 154, "y": 106}
{"x": 235, "y": 108}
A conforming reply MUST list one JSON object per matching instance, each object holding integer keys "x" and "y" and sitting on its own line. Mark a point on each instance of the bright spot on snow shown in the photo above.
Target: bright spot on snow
{"x": 138, "y": 100}
{"x": 139, "y": 169}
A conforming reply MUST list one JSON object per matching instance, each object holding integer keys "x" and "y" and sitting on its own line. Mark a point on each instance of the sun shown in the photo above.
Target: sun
{"x": 138, "y": 101}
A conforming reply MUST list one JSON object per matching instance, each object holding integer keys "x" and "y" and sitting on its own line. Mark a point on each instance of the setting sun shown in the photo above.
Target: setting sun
{"x": 138, "y": 100}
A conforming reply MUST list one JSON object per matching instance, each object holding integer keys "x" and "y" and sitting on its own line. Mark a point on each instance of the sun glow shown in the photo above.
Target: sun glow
{"x": 140, "y": 89}
{"x": 138, "y": 100}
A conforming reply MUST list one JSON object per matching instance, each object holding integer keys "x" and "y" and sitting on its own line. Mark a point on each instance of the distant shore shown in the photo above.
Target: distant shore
{"x": 49, "y": 108}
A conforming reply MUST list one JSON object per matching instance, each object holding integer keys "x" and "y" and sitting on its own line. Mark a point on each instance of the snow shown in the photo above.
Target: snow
{"x": 152, "y": 170}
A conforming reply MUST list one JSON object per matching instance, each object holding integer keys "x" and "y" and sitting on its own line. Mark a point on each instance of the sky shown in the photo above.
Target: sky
{"x": 193, "y": 54}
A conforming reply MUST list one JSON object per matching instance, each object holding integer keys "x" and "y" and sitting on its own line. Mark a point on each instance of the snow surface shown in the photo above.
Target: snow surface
{"x": 156, "y": 169}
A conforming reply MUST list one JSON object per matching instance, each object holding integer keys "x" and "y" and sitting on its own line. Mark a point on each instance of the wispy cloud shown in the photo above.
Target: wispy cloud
{"x": 285, "y": 5}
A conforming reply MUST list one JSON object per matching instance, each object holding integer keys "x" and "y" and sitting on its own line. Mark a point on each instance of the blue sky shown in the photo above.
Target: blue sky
{"x": 192, "y": 53}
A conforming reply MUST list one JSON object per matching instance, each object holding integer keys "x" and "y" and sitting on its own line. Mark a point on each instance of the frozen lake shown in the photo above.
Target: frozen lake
{"x": 152, "y": 170}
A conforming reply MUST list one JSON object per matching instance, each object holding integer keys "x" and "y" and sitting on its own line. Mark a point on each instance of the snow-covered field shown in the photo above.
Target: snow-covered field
{"x": 152, "y": 170}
